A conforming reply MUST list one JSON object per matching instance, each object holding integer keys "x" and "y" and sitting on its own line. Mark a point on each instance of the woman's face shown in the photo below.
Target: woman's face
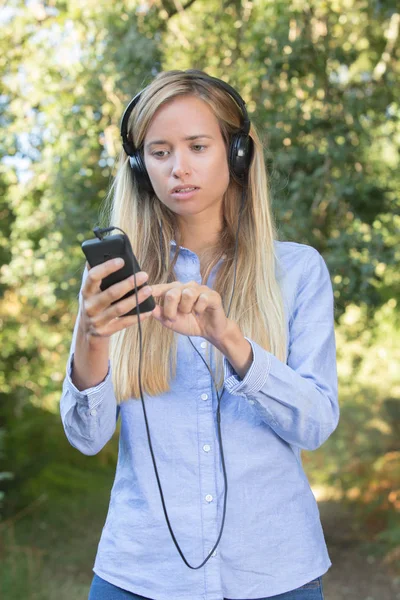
{"x": 186, "y": 157}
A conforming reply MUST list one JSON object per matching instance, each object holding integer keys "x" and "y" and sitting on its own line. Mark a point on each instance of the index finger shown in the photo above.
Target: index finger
{"x": 160, "y": 288}
{"x": 99, "y": 272}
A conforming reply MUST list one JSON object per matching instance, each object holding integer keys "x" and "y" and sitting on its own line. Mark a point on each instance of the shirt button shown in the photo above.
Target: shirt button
{"x": 204, "y": 397}
{"x": 209, "y": 498}
{"x": 206, "y": 448}
{"x": 214, "y": 553}
{"x": 251, "y": 401}
{"x": 203, "y": 344}
{"x": 93, "y": 412}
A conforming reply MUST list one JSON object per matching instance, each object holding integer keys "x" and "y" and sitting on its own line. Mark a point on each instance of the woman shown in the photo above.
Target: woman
{"x": 191, "y": 193}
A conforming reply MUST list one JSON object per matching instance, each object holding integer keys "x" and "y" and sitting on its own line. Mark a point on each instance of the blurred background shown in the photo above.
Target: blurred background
{"x": 321, "y": 82}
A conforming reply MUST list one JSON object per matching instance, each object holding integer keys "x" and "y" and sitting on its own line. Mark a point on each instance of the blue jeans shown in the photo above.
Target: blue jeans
{"x": 102, "y": 590}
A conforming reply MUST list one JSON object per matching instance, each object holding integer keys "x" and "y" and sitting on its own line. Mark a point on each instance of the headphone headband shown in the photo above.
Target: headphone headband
{"x": 245, "y": 127}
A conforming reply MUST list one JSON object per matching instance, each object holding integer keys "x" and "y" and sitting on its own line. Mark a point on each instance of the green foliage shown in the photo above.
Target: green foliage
{"x": 65, "y": 79}
{"x": 360, "y": 462}
{"x": 43, "y": 462}
{"x": 321, "y": 82}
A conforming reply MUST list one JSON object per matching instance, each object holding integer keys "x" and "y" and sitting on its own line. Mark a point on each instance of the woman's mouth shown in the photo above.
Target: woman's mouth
{"x": 184, "y": 192}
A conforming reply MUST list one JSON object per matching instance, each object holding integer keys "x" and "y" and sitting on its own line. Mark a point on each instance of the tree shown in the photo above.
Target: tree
{"x": 66, "y": 73}
{"x": 321, "y": 82}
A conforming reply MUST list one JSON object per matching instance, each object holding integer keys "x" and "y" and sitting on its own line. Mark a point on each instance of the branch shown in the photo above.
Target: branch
{"x": 178, "y": 7}
{"x": 392, "y": 33}
{"x": 324, "y": 180}
{"x": 239, "y": 30}
{"x": 175, "y": 26}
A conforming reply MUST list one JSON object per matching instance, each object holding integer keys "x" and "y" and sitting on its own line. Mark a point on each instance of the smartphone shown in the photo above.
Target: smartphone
{"x": 116, "y": 246}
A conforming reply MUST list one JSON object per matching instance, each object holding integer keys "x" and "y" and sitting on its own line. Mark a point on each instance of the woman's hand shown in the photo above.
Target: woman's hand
{"x": 102, "y": 312}
{"x": 191, "y": 309}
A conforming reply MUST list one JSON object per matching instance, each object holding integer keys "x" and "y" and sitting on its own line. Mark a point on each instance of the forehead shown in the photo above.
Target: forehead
{"x": 183, "y": 115}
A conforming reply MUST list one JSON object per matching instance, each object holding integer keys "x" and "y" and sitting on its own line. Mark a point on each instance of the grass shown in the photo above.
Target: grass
{"x": 47, "y": 552}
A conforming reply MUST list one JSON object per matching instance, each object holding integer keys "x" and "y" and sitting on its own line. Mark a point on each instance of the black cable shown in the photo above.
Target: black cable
{"x": 152, "y": 452}
{"x": 216, "y": 390}
{"x": 99, "y": 233}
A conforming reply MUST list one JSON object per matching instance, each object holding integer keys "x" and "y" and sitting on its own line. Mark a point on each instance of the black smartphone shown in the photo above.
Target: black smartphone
{"x": 116, "y": 246}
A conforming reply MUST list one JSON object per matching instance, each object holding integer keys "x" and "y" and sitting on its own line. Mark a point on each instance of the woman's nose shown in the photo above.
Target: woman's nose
{"x": 181, "y": 166}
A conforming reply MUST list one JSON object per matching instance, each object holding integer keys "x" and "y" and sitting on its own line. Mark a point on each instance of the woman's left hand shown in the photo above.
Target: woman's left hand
{"x": 191, "y": 309}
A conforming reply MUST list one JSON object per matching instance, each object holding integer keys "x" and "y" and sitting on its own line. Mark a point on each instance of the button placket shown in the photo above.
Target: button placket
{"x": 204, "y": 400}
{"x": 207, "y": 466}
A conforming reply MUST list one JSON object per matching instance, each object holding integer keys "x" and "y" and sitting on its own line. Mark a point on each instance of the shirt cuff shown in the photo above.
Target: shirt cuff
{"x": 255, "y": 377}
{"x": 91, "y": 396}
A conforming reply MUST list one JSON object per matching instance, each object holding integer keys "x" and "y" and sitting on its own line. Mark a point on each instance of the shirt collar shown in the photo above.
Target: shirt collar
{"x": 186, "y": 250}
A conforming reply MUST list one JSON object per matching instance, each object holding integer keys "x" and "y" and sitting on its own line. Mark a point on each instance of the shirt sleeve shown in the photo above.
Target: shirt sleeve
{"x": 88, "y": 416}
{"x": 298, "y": 400}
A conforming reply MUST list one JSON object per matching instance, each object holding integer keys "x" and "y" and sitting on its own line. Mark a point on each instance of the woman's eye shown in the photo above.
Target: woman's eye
{"x": 164, "y": 153}
{"x": 159, "y": 153}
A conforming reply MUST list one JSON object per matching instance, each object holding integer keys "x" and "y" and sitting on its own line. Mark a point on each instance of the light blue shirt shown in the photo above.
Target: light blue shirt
{"x": 272, "y": 540}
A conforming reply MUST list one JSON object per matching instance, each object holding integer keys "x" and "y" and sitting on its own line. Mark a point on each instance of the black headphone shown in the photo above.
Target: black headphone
{"x": 240, "y": 148}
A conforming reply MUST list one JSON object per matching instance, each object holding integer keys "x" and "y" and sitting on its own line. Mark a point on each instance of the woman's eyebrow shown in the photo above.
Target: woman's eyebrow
{"x": 189, "y": 137}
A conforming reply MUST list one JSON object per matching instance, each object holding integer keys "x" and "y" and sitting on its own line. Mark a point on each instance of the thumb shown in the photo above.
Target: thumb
{"x": 156, "y": 313}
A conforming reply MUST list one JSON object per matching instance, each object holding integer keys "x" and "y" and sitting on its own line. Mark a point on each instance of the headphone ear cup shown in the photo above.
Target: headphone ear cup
{"x": 139, "y": 172}
{"x": 240, "y": 155}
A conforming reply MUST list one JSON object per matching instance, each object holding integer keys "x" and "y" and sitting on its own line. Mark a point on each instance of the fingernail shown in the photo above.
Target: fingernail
{"x": 119, "y": 262}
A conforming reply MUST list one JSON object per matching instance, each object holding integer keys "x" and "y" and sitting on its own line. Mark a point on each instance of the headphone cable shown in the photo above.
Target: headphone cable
{"x": 218, "y": 414}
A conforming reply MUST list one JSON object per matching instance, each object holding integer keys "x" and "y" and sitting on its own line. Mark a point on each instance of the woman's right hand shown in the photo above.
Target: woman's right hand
{"x": 99, "y": 317}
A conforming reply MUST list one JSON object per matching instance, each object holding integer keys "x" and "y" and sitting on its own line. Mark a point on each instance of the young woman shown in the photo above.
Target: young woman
{"x": 238, "y": 371}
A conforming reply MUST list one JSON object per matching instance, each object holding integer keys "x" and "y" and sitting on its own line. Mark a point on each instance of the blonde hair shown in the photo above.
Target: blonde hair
{"x": 257, "y": 305}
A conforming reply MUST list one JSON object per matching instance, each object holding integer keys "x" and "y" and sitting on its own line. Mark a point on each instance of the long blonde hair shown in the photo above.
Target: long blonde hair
{"x": 257, "y": 305}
